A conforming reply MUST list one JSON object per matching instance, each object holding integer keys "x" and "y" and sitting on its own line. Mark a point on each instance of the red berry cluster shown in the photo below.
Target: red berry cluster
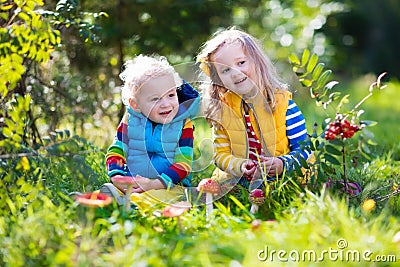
{"x": 343, "y": 128}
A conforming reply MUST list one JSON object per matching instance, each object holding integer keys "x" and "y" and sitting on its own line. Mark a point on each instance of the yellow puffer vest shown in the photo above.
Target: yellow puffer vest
{"x": 269, "y": 128}
{"x": 272, "y": 126}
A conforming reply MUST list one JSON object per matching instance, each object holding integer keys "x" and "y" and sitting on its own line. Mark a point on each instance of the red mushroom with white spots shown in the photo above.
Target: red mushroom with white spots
{"x": 210, "y": 187}
{"x": 96, "y": 200}
{"x": 256, "y": 198}
{"x": 177, "y": 209}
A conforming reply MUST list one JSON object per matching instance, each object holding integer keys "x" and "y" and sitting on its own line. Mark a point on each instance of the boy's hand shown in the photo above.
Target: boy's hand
{"x": 122, "y": 189}
{"x": 145, "y": 184}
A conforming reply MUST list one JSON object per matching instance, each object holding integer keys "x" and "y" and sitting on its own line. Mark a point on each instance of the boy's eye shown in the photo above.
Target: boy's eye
{"x": 155, "y": 99}
{"x": 171, "y": 95}
{"x": 225, "y": 70}
{"x": 242, "y": 62}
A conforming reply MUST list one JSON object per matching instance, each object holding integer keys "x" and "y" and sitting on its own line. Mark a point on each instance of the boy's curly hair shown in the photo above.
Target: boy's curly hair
{"x": 141, "y": 69}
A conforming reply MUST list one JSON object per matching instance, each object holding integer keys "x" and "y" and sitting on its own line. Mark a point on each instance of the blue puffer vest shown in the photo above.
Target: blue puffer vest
{"x": 151, "y": 150}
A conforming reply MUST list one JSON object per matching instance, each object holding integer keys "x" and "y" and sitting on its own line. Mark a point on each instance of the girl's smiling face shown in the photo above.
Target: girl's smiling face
{"x": 157, "y": 99}
{"x": 235, "y": 69}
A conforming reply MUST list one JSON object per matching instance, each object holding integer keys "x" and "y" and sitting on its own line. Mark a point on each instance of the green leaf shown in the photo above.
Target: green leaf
{"x": 369, "y": 123}
{"x": 7, "y": 7}
{"x": 367, "y": 134}
{"x": 17, "y": 58}
{"x": 305, "y": 82}
{"x": 13, "y": 209}
{"x": 365, "y": 148}
{"x": 337, "y": 142}
{"x": 298, "y": 170}
{"x": 17, "y": 138}
{"x": 7, "y": 132}
{"x": 317, "y": 71}
{"x": 331, "y": 159}
{"x": 317, "y": 143}
{"x": 300, "y": 73}
{"x": 24, "y": 16}
{"x": 294, "y": 59}
{"x": 17, "y": 67}
{"x": 27, "y": 102}
{"x": 320, "y": 146}
{"x": 304, "y": 163}
{"x": 60, "y": 133}
{"x": 334, "y": 96}
{"x": 240, "y": 205}
{"x": 30, "y": 4}
{"x": 312, "y": 146}
{"x": 311, "y": 64}
{"x": 324, "y": 167}
{"x": 304, "y": 57}
{"x": 10, "y": 124}
{"x": 323, "y": 79}
{"x": 46, "y": 140}
{"x": 325, "y": 123}
{"x": 333, "y": 150}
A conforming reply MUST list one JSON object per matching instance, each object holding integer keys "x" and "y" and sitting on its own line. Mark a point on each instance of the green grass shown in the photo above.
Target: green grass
{"x": 42, "y": 225}
{"x": 68, "y": 235}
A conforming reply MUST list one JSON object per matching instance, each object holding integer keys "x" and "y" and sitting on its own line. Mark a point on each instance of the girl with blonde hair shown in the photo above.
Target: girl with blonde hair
{"x": 258, "y": 128}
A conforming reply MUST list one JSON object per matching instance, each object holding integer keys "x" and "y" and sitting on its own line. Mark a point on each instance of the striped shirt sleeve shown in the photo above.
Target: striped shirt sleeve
{"x": 223, "y": 155}
{"x": 296, "y": 133}
{"x": 182, "y": 165}
{"x": 116, "y": 156}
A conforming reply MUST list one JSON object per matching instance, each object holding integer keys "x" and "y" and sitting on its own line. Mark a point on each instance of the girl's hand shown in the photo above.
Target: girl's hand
{"x": 272, "y": 166}
{"x": 145, "y": 184}
{"x": 248, "y": 168}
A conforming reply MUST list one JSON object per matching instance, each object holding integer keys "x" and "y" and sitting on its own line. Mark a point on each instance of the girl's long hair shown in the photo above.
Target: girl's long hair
{"x": 267, "y": 78}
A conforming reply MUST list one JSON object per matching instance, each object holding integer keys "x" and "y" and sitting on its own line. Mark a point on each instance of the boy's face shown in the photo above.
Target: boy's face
{"x": 157, "y": 99}
{"x": 235, "y": 69}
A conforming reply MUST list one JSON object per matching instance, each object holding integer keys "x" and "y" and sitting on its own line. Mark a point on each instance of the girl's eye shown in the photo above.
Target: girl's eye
{"x": 172, "y": 95}
{"x": 242, "y": 62}
{"x": 155, "y": 99}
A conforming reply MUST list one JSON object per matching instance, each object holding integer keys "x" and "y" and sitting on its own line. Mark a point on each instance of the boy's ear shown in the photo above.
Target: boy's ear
{"x": 134, "y": 105}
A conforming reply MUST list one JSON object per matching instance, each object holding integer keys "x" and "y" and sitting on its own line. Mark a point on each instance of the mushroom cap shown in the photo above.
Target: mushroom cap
{"x": 208, "y": 185}
{"x": 176, "y": 209}
{"x": 94, "y": 199}
{"x": 257, "y": 196}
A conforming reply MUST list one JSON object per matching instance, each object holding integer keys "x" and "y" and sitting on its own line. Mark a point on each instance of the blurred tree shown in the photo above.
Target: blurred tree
{"x": 78, "y": 86}
{"x": 26, "y": 40}
{"x": 30, "y": 39}
{"x": 366, "y": 37}
{"x": 170, "y": 28}
{"x": 287, "y": 26}
{"x": 87, "y": 69}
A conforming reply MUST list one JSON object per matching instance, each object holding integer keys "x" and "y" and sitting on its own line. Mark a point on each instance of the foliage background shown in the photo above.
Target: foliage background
{"x": 60, "y": 103}
{"x": 78, "y": 87}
